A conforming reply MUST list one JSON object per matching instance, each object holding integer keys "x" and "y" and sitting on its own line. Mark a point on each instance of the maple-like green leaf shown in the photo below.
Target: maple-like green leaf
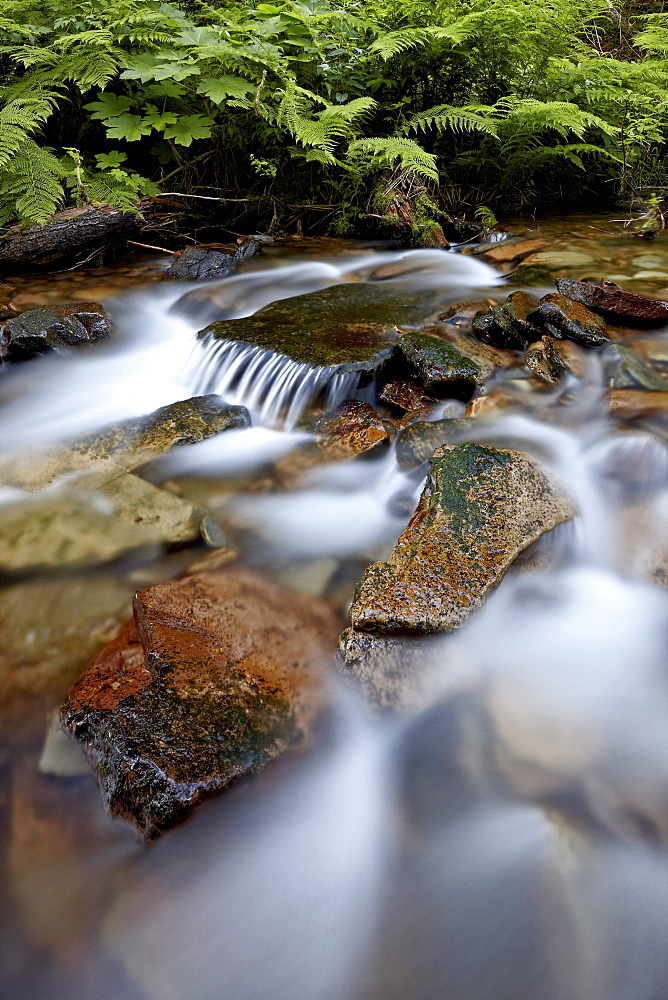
{"x": 158, "y": 67}
{"x": 110, "y": 161}
{"x": 222, "y": 87}
{"x": 128, "y": 127}
{"x": 108, "y": 106}
{"x": 188, "y": 128}
{"x": 159, "y": 119}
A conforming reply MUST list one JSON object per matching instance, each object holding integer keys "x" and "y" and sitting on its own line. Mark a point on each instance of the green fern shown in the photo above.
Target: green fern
{"x": 31, "y": 188}
{"x": 410, "y": 155}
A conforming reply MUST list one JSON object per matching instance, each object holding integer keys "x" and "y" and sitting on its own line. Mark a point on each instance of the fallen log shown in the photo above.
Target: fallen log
{"x": 68, "y": 231}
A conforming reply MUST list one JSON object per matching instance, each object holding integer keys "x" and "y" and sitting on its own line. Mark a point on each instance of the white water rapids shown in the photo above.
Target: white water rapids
{"x": 503, "y": 839}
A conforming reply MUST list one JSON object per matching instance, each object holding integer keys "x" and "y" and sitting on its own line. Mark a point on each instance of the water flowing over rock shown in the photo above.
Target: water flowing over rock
{"x": 56, "y": 329}
{"x": 351, "y": 326}
{"x": 389, "y": 671}
{"x": 354, "y": 429}
{"x": 221, "y": 675}
{"x": 126, "y": 445}
{"x": 626, "y": 370}
{"x": 276, "y": 389}
{"x": 479, "y": 509}
{"x": 615, "y": 303}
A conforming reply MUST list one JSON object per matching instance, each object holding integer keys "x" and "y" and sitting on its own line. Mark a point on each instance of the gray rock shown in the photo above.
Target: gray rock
{"x": 56, "y": 329}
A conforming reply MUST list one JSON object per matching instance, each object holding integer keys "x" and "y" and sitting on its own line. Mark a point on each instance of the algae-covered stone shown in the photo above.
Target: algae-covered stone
{"x": 479, "y": 509}
{"x": 54, "y": 328}
{"x": 351, "y": 325}
{"x": 127, "y": 444}
{"x": 92, "y": 519}
{"x": 418, "y": 442}
{"x": 221, "y": 675}
{"x": 563, "y": 317}
{"x": 440, "y": 365}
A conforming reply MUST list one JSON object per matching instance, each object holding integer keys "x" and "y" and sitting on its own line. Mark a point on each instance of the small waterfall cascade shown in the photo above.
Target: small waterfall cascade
{"x": 276, "y": 389}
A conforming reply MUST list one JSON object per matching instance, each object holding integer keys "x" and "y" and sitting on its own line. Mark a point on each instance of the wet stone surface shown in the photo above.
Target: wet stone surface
{"x": 563, "y": 317}
{"x": 221, "y": 674}
{"x": 611, "y": 300}
{"x": 479, "y": 509}
{"x": 440, "y": 366}
{"x": 56, "y": 328}
{"x": 126, "y": 444}
{"x": 351, "y": 325}
{"x": 204, "y": 264}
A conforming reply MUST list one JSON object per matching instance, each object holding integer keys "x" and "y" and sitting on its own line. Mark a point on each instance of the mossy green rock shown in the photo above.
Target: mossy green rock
{"x": 439, "y": 364}
{"x": 479, "y": 509}
{"x": 218, "y": 674}
{"x": 350, "y": 325}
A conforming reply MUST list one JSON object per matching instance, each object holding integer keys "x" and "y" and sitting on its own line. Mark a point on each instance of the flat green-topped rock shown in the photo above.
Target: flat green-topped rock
{"x": 351, "y": 325}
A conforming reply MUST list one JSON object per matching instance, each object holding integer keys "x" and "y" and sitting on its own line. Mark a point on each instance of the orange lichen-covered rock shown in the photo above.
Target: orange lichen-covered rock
{"x": 219, "y": 674}
{"x": 479, "y": 509}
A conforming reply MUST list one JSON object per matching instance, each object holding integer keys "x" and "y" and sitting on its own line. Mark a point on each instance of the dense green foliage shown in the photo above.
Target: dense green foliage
{"x": 505, "y": 103}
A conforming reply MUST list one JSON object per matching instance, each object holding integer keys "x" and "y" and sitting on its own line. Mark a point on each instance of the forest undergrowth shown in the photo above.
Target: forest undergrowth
{"x": 327, "y": 109}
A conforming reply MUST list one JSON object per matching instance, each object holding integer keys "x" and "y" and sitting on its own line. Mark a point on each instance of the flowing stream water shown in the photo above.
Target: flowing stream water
{"x": 503, "y": 837}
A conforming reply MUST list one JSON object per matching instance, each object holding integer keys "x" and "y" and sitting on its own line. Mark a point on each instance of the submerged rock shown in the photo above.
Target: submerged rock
{"x": 92, "y": 518}
{"x": 612, "y": 301}
{"x": 627, "y": 404}
{"x": 479, "y": 509}
{"x": 563, "y": 317}
{"x": 204, "y": 264}
{"x": 509, "y": 251}
{"x": 389, "y": 671}
{"x": 127, "y": 444}
{"x": 53, "y": 328}
{"x": 440, "y": 366}
{"x": 350, "y": 325}
{"x": 220, "y": 675}
{"x": 51, "y": 628}
{"x": 418, "y": 442}
{"x": 625, "y": 370}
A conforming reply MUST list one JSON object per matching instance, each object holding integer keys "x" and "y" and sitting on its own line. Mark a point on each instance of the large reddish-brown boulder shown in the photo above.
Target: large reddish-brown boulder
{"x": 219, "y": 673}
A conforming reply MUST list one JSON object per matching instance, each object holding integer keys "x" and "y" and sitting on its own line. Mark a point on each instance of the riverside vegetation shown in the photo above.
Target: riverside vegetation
{"x": 333, "y": 107}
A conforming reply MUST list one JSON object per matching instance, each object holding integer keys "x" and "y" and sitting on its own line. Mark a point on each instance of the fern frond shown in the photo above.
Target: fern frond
{"x": 30, "y": 187}
{"x": 471, "y": 118}
{"x": 410, "y": 155}
{"x": 397, "y": 42}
